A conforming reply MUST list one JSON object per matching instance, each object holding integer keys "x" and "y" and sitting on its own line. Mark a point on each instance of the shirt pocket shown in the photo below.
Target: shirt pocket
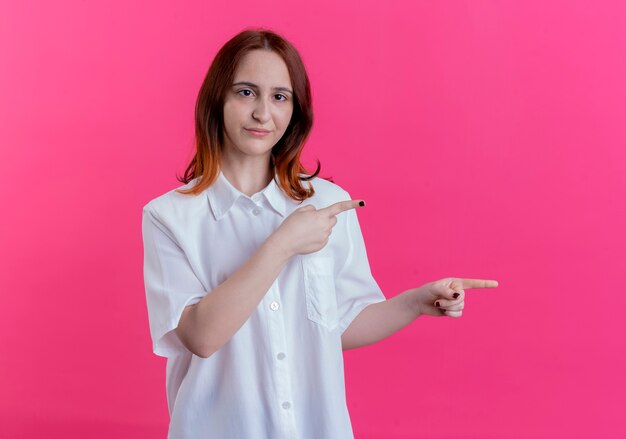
{"x": 319, "y": 290}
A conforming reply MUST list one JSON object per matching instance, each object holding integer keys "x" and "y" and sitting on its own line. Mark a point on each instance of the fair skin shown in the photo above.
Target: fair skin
{"x": 261, "y": 97}
{"x": 266, "y": 102}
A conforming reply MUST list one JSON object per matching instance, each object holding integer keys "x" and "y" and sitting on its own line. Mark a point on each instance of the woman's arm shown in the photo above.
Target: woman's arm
{"x": 445, "y": 297}
{"x": 207, "y": 325}
{"x": 379, "y": 320}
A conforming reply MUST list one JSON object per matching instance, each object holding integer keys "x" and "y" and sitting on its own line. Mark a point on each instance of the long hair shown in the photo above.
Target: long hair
{"x": 209, "y": 116}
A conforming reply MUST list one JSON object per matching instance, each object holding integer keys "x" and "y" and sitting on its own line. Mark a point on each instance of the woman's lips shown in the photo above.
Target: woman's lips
{"x": 256, "y": 133}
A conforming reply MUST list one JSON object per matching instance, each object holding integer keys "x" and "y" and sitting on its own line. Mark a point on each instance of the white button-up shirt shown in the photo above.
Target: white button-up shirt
{"x": 281, "y": 374}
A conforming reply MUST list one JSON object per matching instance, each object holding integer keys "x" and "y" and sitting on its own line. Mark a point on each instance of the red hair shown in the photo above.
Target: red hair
{"x": 209, "y": 115}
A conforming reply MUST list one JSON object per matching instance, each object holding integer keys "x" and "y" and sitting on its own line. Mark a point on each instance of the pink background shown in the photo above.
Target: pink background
{"x": 487, "y": 138}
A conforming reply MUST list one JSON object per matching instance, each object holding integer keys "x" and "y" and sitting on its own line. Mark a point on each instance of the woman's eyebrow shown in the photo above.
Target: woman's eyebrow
{"x": 250, "y": 84}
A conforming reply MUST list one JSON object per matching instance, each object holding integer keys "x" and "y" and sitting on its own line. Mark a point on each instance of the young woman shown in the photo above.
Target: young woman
{"x": 256, "y": 282}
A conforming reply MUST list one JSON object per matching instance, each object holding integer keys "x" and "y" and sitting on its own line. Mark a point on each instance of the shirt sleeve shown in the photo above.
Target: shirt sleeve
{"x": 355, "y": 285}
{"x": 170, "y": 284}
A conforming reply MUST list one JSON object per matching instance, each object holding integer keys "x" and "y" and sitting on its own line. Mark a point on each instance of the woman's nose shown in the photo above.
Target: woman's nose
{"x": 261, "y": 111}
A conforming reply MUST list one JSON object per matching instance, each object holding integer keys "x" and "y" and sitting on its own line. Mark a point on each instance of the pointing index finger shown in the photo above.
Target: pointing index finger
{"x": 478, "y": 283}
{"x": 341, "y": 206}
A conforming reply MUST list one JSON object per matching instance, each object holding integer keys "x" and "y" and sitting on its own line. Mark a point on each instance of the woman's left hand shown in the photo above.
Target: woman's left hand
{"x": 446, "y": 296}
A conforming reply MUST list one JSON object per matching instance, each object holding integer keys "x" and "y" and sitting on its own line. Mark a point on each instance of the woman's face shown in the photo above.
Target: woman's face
{"x": 260, "y": 97}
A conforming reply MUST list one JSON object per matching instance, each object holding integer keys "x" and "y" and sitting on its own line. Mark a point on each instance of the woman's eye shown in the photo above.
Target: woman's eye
{"x": 245, "y": 91}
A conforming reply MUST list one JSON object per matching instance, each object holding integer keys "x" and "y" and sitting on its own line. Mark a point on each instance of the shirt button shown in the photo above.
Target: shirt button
{"x": 256, "y": 211}
{"x": 274, "y": 306}
{"x": 280, "y": 356}
{"x": 286, "y": 405}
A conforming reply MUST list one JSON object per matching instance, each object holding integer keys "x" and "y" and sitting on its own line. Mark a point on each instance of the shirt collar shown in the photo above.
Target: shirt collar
{"x": 222, "y": 196}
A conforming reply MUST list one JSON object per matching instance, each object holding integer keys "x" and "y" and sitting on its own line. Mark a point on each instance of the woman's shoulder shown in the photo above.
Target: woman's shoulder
{"x": 172, "y": 201}
{"x": 327, "y": 190}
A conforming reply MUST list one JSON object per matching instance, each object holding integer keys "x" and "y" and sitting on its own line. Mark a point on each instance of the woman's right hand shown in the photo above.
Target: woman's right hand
{"x": 307, "y": 229}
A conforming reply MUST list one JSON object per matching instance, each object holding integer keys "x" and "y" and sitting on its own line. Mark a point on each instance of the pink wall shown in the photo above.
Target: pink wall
{"x": 486, "y": 136}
